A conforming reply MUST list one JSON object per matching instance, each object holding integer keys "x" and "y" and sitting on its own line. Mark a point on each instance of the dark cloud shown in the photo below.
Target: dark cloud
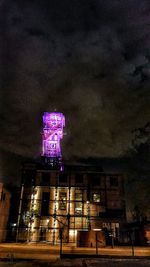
{"x": 88, "y": 59}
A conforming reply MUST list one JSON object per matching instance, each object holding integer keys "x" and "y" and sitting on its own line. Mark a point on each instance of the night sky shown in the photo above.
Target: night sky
{"x": 89, "y": 59}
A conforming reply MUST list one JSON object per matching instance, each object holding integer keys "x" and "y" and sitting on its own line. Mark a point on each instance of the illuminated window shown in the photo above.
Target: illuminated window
{"x": 78, "y": 208}
{"x": 78, "y": 196}
{"x": 62, "y": 200}
{"x": 96, "y": 197}
{"x": 78, "y": 203}
{"x": 78, "y": 222}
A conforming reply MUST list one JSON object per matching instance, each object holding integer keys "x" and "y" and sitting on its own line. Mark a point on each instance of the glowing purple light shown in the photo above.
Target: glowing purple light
{"x": 53, "y": 124}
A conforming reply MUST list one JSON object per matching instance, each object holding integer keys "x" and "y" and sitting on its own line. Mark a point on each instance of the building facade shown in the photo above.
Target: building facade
{"x": 5, "y": 197}
{"x": 79, "y": 198}
{"x": 60, "y": 201}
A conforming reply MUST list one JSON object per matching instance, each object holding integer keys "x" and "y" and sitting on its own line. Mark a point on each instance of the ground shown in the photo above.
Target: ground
{"x": 81, "y": 262}
{"x": 45, "y": 255}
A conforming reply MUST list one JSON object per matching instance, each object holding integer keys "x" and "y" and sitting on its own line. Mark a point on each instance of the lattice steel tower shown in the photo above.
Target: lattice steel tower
{"x": 53, "y": 124}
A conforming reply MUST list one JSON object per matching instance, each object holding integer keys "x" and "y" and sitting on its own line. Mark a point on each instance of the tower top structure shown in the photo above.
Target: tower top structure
{"x": 53, "y": 124}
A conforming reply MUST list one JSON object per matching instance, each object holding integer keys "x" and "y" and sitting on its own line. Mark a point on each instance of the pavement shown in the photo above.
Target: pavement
{"x": 80, "y": 263}
{"x": 38, "y": 251}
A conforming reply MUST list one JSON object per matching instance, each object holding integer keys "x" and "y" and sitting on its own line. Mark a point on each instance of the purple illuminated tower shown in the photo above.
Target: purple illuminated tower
{"x": 53, "y": 124}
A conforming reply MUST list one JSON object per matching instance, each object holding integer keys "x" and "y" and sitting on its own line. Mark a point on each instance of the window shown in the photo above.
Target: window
{"x": 94, "y": 179}
{"x": 78, "y": 203}
{"x": 113, "y": 181}
{"x": 45, "y": 178}
{"x": 62, "y": 200}
{"x": 78, "y": 178}
{"x": 29, "y": 177}
{"x": 63, "y": 178}
{"x": 78, "y": 196}
{"x": 96, "y": 197}
{"x": 45, "y": 204}
{"x": 78, "y": 208}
